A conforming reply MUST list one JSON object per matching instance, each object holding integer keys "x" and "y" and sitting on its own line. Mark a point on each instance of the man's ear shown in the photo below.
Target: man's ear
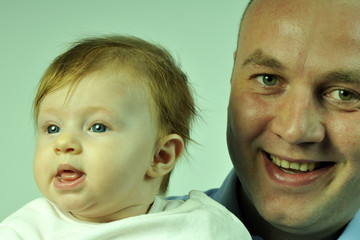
{"x": 169, "y": 150}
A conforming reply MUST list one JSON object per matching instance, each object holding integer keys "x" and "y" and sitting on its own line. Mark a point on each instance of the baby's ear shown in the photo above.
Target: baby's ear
{"x": 168, "y": 151}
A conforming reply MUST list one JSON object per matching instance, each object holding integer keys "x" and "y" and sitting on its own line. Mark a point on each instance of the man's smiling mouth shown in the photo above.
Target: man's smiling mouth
{"x": 297, "y": 167}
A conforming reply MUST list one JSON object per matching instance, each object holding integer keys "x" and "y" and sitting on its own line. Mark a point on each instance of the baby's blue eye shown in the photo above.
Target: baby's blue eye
{"x": 99, "y": 128}
{"x": 52, "y": 129}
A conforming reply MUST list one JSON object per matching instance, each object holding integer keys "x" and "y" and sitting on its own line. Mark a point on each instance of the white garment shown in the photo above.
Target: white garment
{"x": 198, "y": 218}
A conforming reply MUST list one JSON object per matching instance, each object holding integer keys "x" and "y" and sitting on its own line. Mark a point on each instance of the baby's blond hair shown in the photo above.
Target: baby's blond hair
{"x": 171, "y": 98}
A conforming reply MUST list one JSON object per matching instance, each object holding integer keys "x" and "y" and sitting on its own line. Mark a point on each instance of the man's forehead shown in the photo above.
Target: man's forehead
{"x": 297, "y": 8}
{"x": 294, "y": 35}
{"x": 336, "y": 19}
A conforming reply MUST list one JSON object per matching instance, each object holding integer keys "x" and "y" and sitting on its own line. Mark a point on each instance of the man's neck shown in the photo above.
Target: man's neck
{"x": 258, "y": 226}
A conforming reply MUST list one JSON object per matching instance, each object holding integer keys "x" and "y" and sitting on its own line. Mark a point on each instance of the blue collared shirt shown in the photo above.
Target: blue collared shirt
{"x": 226, "y": 195}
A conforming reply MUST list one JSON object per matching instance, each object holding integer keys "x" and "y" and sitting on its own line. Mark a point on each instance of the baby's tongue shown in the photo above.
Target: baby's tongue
{"x": 70, "y": 175}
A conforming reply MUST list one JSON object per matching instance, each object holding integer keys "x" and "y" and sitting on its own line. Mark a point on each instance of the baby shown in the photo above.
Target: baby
{"x": 113, "y": 115}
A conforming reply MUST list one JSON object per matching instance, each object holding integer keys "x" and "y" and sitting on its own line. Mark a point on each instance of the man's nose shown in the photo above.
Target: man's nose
{"x": 298, "y": 119}
{"x": 67, "y": 143}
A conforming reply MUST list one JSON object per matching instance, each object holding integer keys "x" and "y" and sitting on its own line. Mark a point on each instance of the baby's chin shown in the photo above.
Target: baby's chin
{"x": 80, "y": 209}
{"x": 87, "y": 213}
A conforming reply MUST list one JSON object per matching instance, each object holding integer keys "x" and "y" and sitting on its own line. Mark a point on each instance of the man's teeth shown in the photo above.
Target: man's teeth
{"x": 303, "y": 167}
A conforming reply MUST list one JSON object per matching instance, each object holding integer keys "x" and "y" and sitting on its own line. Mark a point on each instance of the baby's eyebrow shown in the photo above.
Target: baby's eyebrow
{"x": 89, "y": 109}
{"x": 99, "y": 109}
{"x": 258, "y": 57}
{"x": 48, "y": 111}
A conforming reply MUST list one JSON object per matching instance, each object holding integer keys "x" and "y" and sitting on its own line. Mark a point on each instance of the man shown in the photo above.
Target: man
{"x": 294, "y": 121}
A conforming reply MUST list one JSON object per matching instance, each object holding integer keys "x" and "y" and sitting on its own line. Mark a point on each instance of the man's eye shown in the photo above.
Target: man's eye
{"x": 343, "y": 98}
{"x": 342, "y": 95}
{"x": 52, "y": 129}
{"x": 99, "y": 128}
{"x": 268, "y": 80}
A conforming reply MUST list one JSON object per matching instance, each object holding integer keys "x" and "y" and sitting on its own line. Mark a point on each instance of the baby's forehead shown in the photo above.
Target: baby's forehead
{"x": 126, "y": 75}
{"x": 123, "y": 76}
{"x": 106, "y": 90}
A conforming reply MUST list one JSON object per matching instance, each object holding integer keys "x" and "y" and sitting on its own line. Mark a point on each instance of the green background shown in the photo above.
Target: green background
{"x": 200, "y": 34}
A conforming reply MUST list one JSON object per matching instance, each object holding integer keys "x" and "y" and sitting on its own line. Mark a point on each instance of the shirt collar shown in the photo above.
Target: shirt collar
{"x": 352, "y": 230}
{"x": 227, "y": 196}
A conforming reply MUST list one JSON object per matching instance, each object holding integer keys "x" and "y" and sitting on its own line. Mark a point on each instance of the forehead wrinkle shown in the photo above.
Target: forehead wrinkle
{"x": 258, "y": 57}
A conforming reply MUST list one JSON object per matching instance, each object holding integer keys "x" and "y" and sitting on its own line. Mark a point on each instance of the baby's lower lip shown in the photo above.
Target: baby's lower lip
{"x": 69, "y": 180}
{"x": 69, "y": 175}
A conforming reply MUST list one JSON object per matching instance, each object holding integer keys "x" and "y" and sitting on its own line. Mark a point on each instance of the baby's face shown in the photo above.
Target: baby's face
{"x": 93, "y": 149}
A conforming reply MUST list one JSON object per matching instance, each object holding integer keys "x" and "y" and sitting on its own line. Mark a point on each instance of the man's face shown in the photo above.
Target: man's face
{"x": 294, "y": 112}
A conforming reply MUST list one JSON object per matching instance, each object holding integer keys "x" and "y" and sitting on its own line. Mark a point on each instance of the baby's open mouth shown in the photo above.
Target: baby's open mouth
{"x": 67, "y": 173}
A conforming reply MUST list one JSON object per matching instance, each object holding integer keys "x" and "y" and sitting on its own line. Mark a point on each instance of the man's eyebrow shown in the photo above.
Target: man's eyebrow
{"x": 343, "y": 76}
{"x": 258, "y": 57}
